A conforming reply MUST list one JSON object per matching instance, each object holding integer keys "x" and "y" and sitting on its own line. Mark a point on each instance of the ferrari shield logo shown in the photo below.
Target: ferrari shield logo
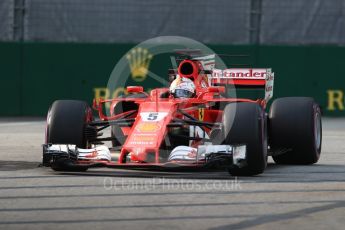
{"x": 201, "y": 114}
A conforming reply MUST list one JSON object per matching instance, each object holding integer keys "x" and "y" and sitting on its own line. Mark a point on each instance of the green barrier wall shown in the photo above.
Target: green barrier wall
{"x": 33, "y": 75}
{"x": 10, "y": 79}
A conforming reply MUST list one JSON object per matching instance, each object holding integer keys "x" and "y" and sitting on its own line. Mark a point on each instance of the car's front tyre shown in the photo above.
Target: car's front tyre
{"x": 66, "y": 124}
{"x": 245, "y": 123}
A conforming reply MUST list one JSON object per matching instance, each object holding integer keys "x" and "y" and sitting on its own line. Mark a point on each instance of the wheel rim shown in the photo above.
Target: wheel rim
{"x": 317, "y": 131}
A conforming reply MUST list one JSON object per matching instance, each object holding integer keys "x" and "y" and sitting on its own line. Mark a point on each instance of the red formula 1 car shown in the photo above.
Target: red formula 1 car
{"x": 212, "y": 130}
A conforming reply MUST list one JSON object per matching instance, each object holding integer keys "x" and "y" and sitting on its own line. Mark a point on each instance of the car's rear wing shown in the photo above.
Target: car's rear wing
{"x": 245, "y": 78}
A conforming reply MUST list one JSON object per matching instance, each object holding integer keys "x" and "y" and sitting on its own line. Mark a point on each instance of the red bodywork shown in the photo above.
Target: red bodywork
{"x": 145, "y": 137}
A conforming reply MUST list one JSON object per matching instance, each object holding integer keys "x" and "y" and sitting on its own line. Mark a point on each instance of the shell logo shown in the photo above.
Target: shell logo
{"x": 148, "y": 127}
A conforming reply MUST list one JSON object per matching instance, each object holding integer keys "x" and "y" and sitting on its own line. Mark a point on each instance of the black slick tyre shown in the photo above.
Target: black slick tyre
{"x": 245, "y": 123}
{"x": 295, "y": 130}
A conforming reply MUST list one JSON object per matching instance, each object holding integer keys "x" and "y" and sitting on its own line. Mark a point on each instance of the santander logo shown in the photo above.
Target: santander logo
{"x": 240, "y": 73}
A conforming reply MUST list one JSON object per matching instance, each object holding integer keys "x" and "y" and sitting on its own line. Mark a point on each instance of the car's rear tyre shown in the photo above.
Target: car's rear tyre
{"x": 245, "y": 123}
{"x": 295, "y": 130}
{"x": 117, "y": 136}
{"x": 121, "y": 107}
{"x": 66, "y": 123}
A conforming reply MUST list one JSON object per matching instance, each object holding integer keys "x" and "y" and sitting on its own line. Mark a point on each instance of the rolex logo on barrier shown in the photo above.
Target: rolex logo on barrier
{"x": 139, "y": 61}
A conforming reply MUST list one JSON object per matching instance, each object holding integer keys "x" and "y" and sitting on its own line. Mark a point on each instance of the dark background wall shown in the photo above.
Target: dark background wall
{"x": 67, "y": 48}
{"x": 33, "y": 75}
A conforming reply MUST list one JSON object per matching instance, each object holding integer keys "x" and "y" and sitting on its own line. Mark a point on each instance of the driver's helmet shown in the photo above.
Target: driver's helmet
{"x": 182, "y": 87}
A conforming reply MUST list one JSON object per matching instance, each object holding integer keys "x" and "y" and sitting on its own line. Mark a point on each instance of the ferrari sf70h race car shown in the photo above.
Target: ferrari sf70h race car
{"x": 211, "y": 130}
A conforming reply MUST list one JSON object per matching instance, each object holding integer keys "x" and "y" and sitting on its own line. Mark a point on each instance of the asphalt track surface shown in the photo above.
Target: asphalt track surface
{"x": 284, "y": 197}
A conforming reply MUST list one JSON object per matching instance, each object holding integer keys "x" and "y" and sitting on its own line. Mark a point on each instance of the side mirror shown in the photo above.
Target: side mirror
{"x": 216, "y": 89}
{"x": 135, "y": 89}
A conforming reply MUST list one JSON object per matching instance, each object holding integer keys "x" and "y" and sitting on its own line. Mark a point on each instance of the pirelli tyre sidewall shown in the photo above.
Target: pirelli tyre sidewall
{"x": 245, "y": 123}
{"x": 295, "y": 130}
{"x": 66, "y": 122}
